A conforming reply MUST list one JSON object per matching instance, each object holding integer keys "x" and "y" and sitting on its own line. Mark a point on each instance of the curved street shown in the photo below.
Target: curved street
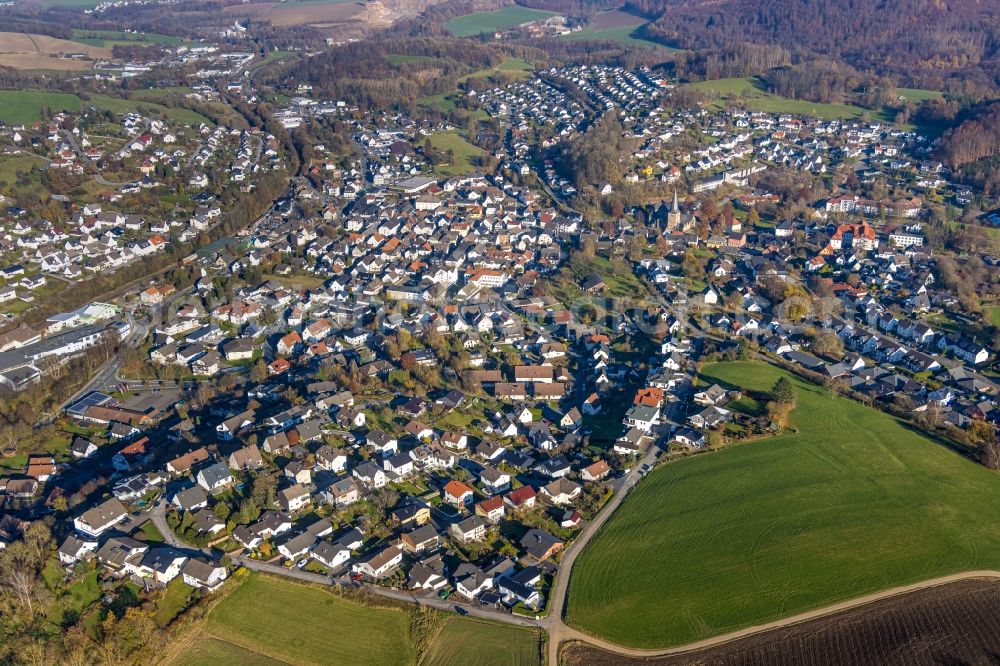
{"x": 432, "y": 601}
{"x": 554, "y": 624}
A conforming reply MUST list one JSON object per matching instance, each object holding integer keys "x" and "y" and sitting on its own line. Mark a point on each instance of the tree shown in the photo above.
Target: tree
{"x": 980, "y": 432}
{"x": 828, "y": 343}
{"x": 258, "y": 371}
{"x": 222, "y": 510}
{"x": 795, "y": 308}
{"x": 782, "y": 391}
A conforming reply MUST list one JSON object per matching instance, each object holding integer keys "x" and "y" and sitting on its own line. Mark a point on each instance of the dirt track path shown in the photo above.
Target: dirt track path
{"x": 33, "y": 42}
{"x": 560, "y": 632}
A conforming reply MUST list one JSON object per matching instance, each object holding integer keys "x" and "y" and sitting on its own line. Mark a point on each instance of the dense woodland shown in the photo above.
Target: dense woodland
{"x": 942, "y": 46}
{"x": 974, "y": 138}
{"x": 595, "y": 155}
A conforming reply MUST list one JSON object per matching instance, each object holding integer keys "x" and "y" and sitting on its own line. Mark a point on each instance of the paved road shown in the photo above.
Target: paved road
{"x": 553, "y": 623}
{"x": 399, "y": 595}
{"x": 158, "y": 514}
{"x": 101, "y": 180}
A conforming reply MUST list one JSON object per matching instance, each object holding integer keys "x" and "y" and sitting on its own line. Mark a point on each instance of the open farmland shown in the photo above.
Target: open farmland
{"x": 71, "y": 4}
{"x": 468, "y": 642}
{"x": 846, "y": 502}
{"x": 615, "y": 18}
{"x": 616, "y": 26}
{"x": 319, "y": 13}
{"x": 214, "y": 652}
{"x": 28, "y": 51}
{"x": 267, "y": 620}
{"x": 109, "y": 38}
{"x": 25, "y": 106}
{"x": 953, "y": 624}
{"x": 501, "y": 19}
{"x": 751, "y": 93}
{"x": 304, "y": 12}
{"x": 281, "y": 620}
{"x": 509, "y": 69}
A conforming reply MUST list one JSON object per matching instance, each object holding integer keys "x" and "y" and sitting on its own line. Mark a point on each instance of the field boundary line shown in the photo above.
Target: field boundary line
{"x": 208, "y": 633}
{"x": 574, "y": 635}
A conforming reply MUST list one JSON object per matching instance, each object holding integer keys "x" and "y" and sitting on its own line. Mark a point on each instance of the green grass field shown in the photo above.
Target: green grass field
{"x": 511, "y": 68}
{"x": 72, "y": 4}
{"x": 917, "y": 94}
{"x": 625, "y": 35}
{"x": 751, "y": 92}
{"x": 78, "y": 597}
{"x": 11, "y": 166}
{"x": 25, "y": 106}
{"x": 109, "y": 38}
{"x": 303, "y": 625}
{"x": 442, "y": 102}
{"x": 176, "y": 597}
{"x": 480, "y": 22}
{"x": 467, "y": 642}
{"x": 848, "y": 501}
{"x": 401, "y": 59}
{"x": 215, "y": 652}
{"x": 465, "y": 153}
{"x": 725, "y": 87}
{"x": 156, "y": 95}
{"x": 266, "y": 620}
{"x": 992, "y": 313}
{"x": 185, "y": 116}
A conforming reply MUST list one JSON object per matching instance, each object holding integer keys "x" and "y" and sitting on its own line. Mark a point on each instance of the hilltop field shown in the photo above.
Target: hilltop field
{"x": 26, "y": 51}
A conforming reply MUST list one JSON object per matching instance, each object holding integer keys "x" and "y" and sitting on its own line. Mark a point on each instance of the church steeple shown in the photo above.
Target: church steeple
{"x": 674, "y": 216}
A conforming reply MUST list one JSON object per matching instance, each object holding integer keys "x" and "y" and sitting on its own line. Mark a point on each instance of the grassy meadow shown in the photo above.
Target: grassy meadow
{"x": 465, "y": 153}
{"x": 845, "y": 502}
{"x": 501, "y": 19}
{"x": 268, "y": 620}
{"x": 25, "y": 106}
{"x": 750, "y": 91}
{"x": 285, "y": 621}
{"x": 469, "y": 642}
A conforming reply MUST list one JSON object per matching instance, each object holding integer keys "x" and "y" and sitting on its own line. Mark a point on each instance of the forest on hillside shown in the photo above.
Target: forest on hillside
{"x": 924, "y": 43}
{"x": 953, "y": 47}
